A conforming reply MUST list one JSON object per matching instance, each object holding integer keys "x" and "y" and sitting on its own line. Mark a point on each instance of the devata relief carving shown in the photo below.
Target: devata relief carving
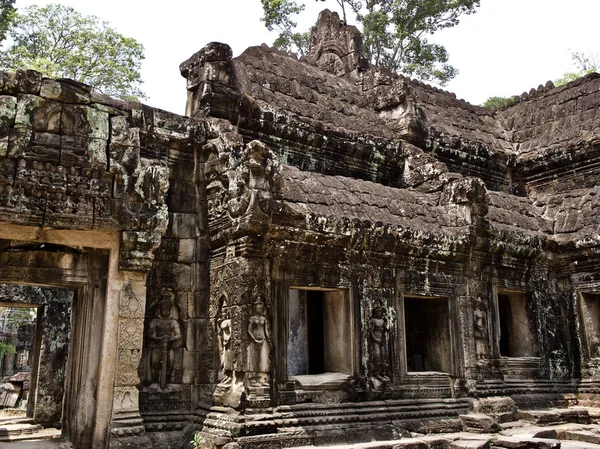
{"x": 259, "y": 346}
{"x": 378, "y": 339}
{"x": 164, "y": 333}
{"x": 480, "y": 329}
{"x": 226, "y": 350}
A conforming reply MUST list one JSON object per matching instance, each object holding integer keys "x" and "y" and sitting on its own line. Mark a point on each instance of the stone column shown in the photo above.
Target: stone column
{"x": 127, "y": 428}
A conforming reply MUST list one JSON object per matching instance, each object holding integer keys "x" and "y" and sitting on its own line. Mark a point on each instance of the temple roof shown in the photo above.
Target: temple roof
{"x": 355, "y": 199}
{"x": 363, "y": 144}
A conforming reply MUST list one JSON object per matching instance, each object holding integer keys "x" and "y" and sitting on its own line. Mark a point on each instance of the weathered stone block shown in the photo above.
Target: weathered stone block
{"x": 196, "y": 338}
{"x": 479, "y": 423}
{"x": 547, "y": 434}
{"x": 194, "y": 68}
{"x": 79, "y": 120}
{"x": 182, "y": 226}
{"x": 187, "y": 251}
{"x": 582, "y": 435}
{"x": 410, "y": 443}
{"x": 7, "y": 171}
{"x": 4, "y": 146}
{"x": 502, "y": 408}
{"x": 181, "y": 275}
{"x": 8, "y": 108}
{"x": 470, "y": 444}
{"x": 123, "y": 133}
{"x": 66, "y": 91}
{"x": 42, "y": 115}
{"x": 201, "y": 303}
{"x": 21, "y": 81}
{"x": 525, "y": 443}
{"x": 183, "y": 197}
{"x": 19, "y": 141}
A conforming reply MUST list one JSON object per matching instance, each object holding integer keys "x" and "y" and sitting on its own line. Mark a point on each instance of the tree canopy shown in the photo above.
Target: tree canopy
{"x": 584, "y": 63}
{"x": 278, "y": 17}
{"x": 495, "y": 102}
{"x": 395, "y": 32}
{"x": 58, "y": 41}
{"x": 7, "y": 14}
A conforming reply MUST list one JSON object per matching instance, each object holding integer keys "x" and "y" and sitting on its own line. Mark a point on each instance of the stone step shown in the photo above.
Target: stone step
{"x": 16, "y": 420}
{"x": 19, "y": 429}
{"x": 578, "y": 445}
{"x": 395, "y": 412}
{"x": 582, "y": 435}
{"x": 18, "y": 432}
{"x": 411, "y": 443}
{"x": 470, "y": 444}
{"x": 37, "y": 444}
{"x": 555, "y": 416}
{"x": 517, "y": 442}
{"x": 479, "y": 423}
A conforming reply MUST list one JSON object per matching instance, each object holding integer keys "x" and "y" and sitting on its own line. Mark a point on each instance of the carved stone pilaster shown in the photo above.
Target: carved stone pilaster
{"x": 127, "y": 428}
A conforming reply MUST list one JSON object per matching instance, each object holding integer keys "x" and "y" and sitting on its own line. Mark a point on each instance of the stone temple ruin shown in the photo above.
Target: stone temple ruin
{"x": 319, "y": 251}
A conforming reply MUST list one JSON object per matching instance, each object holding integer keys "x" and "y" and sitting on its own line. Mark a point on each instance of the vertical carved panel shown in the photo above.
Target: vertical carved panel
{"x": 131, "y": 333}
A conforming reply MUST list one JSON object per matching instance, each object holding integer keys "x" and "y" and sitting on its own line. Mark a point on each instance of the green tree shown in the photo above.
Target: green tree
{"x": 7, "y": 14}
{"x": 6, "y": 348}
{"x": 495, "y": 102}
{"x": 278, "y": 17}
{"x": 395, "y": 32}
{"x": 58, "y": 41}
{"x": 584, "y": 63}
{"x": 15, "y": 317}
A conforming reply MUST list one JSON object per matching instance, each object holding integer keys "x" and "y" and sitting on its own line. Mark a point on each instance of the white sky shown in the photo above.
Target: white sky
{"x": 507, "y": 47}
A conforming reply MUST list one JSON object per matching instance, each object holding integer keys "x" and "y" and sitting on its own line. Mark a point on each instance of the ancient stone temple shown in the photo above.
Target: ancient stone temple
{"x": 320, "y": 251}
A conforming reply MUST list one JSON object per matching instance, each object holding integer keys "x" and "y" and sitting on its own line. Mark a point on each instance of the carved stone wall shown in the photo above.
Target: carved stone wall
{"x": 370, "y": 195}
{"x": 395, "y": 192}
{"x": 73, "y": 160}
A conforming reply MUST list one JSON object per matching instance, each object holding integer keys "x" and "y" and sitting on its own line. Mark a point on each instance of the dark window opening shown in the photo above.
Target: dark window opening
{"x": 316, "y": 336}
{"x": 516, "y": 336}
{"x": 320, "y": 332}
{"x": 428, "y": 345}
{"x": 505, "y": 314}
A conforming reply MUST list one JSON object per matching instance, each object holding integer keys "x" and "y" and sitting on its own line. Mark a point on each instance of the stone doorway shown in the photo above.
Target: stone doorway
{"x": 68, "y": 287}
{"x": 39, "y": 319}
{"x": 427, "y": 327}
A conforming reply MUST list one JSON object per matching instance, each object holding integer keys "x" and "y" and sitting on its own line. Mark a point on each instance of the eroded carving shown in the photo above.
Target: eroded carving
{"x": 378, "y": 338}
{"x": 226, "y": 350}
{"x": 164, "y": 334}
{"x": 480, "y": 329}
{"x": 259, "y": 346}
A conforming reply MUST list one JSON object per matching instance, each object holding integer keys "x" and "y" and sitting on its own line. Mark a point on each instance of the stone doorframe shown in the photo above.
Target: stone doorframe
{"x": 117, "y": 418}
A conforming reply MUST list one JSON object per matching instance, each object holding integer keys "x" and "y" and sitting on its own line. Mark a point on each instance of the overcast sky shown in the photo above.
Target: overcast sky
{"x": 507, "y": 47}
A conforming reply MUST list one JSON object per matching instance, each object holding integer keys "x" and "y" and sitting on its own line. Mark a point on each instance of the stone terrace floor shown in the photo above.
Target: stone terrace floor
{"x": 521, "y": 434}
{"x": 515, "y": 435}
